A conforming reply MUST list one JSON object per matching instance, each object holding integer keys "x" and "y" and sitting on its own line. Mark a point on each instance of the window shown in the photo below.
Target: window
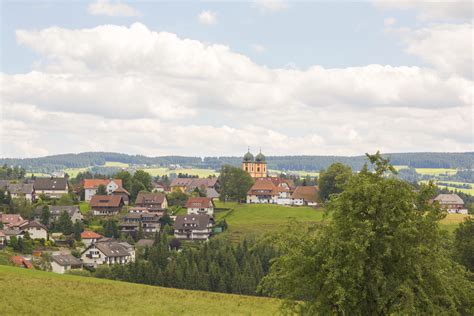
{"x": 258, "y": 169}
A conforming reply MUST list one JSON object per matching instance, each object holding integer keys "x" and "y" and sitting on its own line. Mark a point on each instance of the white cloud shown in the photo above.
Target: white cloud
{"x": 207, "y": 17}
{"x": 389, "y": 21}
{"x": 154, "y": 93}
{"x": 445, "y": 10}
{"x": 271, "y": 5}
{"x": 109, "y": 8}
{"x": 258, "y": 48}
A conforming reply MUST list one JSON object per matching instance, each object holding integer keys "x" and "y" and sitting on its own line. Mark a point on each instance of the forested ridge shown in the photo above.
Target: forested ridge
{"x": 308, "y": 163}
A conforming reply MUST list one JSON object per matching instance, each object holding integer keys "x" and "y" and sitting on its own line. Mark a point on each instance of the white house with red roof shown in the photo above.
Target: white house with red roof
{"x": 89, "y": 237}
{"x": 200, "y": 206}
{"x": 91, "y": 186}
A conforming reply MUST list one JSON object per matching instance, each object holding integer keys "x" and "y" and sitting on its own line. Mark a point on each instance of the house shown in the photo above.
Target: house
{"x": 9, "y": 233}
{"x": 263, "y": 191}
{"x": 200, "y": 205}
{"x": 89, "y": 237}
{"x": 105, "y": 205}
{"x": 108, "y": 252}
{"x": 158, "y": 187}
{"x": 452, "y": 203}
{"x": 19, "y": 190}
{"x": 144, "y": 243}
{"x": 21, "y": 262}
{"x": 51, "y": 187}
{"x": 3, "y": 239}
{"x": 35, "y": 230}
{"x": 73, "y": 211}
{"x": 193, "y": 227}
{"x": 63, "y": 263}
{"x": 11, "y": 220}
{"x": 152, "y": 201}
{"x": 187, "y": 185}
{"x": 149, "y": 222}
{"x": 305, "y": 195}
{"x": 112, "y": 186}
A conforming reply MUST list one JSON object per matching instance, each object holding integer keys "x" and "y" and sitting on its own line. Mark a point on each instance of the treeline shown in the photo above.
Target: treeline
{"x": 308, "y": 163}
{"x": 217, "y": 266}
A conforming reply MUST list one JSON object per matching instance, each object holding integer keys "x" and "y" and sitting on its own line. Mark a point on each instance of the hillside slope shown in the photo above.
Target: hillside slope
{"x": 27, "y": 292}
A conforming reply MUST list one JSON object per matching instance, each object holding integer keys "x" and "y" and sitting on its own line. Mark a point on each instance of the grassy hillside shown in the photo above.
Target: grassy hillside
{"x": 248, "y": 219}
{"x": 28, "y": 292}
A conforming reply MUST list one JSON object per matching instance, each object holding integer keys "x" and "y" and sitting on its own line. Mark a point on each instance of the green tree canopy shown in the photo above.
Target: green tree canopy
{"x": 464, "y": 244}
{"x": 64, "y": 224}
{"x": 101, "y": 190}
{"x": 382, "y": 253}
{"x": 333, "y": 179}
{"x": 45, "y": 215}
{"x": 235, "y": 183}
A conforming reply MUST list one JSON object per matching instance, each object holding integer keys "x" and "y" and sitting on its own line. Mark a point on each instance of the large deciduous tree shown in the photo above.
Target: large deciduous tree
{"x": 332, "y": 180}
{"x": 382, "y": 253}
{"x": 101, "y": 190}
{"x": 235, "y": 183}
{"x": 464, "y": 244}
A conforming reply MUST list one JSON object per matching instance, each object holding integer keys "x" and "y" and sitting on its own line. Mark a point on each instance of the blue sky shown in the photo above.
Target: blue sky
{"x": 211, "y": 78}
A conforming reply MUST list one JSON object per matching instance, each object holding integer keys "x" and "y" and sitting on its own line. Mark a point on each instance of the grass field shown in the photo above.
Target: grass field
{"x": 468, "y": 191}
{"x": 250, "y": 219}
{"x": 436, "y": 171}
{"x": 452, "y": 221}
{"x": 201, "y": 173}
{"x": 29, "y": 292}
{"x": 116, "y": 164}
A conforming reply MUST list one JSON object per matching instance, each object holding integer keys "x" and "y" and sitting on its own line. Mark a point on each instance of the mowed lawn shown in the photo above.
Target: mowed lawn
{"x": 29, "y": 292}
{"x": 251, "y": 219}
{"x": 452, "y": 221}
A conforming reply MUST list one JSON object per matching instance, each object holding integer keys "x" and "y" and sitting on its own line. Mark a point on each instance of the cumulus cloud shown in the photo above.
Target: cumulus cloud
{"x": 207, "y": 17}
{"x": 271, "y": 5}
{"x": 106, "y": 7}
{"x": 154, "y": 93}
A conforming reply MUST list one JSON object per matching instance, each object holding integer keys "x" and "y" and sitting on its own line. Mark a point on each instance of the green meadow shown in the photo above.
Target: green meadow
{"x": 30, "y": 292}
{"x": 452, "y": 188}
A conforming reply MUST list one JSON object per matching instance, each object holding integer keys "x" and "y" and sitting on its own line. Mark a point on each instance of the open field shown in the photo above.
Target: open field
{"x": 201, "y": 173}
{"x": 468, "y": 191}
{"x": 72, "y": 172}
{"x": 436, "y": 171}
{"x": 29, "y": 292}
{"x": 249, "y": 219}
{"x": 116, "y": 164}
{"x": 452, "y": 221}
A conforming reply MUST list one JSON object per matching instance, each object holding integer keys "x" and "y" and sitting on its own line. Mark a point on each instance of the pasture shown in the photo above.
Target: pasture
{"x": 30, "y": 292}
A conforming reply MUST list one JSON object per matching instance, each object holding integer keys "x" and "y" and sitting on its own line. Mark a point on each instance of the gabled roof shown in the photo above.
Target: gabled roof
{"x": 66, "y": 260}
{"x": 263, "y": 185}
{"x": 50, "y": 184}
{"x": 17, "y": 188}
{"x": 192, "y": 183}
{"x": 145, "y": 243}
{"x": 11, "y": 218}
{"x": 87, "y": 234}
{"x": 307, "y": 193}
{"x": 199, "y": 202}
{"x": 152, "y": 198}
{"x": 21, "y": 262}
{"x": 280, "y": 181}
{"x": 94, "y": 183}
{"x": 57, "y": 210}
{"x": 212, "y": 193}
{"x": 201, "y": 221}
{"x": 449, "y": 199}
{"x": 106, "y": 201}
{"x": 112, "y": 249}
{"x": 33, "y": 224}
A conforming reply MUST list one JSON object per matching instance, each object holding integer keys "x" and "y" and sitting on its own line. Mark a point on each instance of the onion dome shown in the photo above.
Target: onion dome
{"x": 260, "y": 158}
{"x": 248, "y": 157}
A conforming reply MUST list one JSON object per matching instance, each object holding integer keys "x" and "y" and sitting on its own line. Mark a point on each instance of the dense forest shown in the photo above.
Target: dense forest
{"x": 307, "y": 163}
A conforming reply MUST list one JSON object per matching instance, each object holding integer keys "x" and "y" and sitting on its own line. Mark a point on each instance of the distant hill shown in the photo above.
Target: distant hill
{"x": 29, "y": 292}
{"x": 307, "y": 163}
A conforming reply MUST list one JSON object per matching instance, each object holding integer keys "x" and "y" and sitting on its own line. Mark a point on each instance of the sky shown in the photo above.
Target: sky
{"x": 214, "y": 78}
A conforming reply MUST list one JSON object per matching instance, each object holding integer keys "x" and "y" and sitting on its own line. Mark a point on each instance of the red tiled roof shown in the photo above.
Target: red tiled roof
{"x": 10, "y": 218}
{"x": 199, "y": 202}
{"x": 307, "y": 193}
{"x": 106, "y": 201}
{"x": 94, "y": 183}
{"x": 21, "y": 262}
{"x": 87, "y": 234}
{"x": 263, "y": 185}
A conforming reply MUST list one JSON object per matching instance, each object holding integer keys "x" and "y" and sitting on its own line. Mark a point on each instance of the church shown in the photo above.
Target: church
{"x": 256, "y": 167}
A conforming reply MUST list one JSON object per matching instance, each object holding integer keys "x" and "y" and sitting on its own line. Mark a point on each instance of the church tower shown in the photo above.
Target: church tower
{"x": 256, "y": 167}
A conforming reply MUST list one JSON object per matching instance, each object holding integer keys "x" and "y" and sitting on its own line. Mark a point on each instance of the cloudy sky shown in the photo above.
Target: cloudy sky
{"x": 211, "y": 78}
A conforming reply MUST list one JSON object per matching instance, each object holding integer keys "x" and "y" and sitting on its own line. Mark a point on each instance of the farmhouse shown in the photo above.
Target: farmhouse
{"x": 193, "y": 227}
{"x": 452, "y": 203}
{"x": 200, "y": 205}
{"x": 56, "y": 210}
{"x": 305, "y": 195}
{"x": 263, "y": 191}
{"x": 108, "y": 252}
{"x": 152, "y": 201}
{"x": 63, "y": 263}
{"x": 113, "y": 187}
{"x": 105, "y": 205}
{"x": 89, "y": 237}
{"x": 51, "y": 187}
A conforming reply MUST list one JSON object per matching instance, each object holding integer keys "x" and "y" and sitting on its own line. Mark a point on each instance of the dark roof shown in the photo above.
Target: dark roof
{"x": 449, "y": 199}
{"x": 34, "y": 224}
{"x": 50, "y": 184}
{"x": 17, "y": 188}
{"x": 112, "y": 248}
{"x": 146, "y": 197}
{"x": 57, "y": 210}
{"x": 192, "y": 183}
{"x": 145, "y": 243}
{"x": 66, "y": 260}
{"x": 201, "y": 221}
{"x": 199, "y": 202}
{"x": 307, "y": 193}
{"x": 106, "y": 201}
